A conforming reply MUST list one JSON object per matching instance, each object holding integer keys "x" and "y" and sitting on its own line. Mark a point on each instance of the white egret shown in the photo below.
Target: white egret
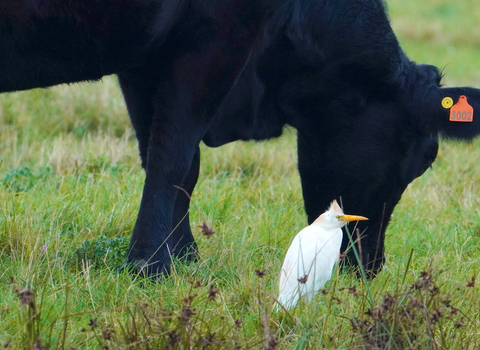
{"x": 313, "y": 253}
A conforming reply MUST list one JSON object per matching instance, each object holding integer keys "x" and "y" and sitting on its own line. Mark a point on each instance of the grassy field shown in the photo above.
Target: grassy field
{"x": 70, "y": 188}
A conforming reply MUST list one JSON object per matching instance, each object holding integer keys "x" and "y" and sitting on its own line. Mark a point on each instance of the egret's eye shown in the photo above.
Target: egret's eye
{"x": 338, "y": 217}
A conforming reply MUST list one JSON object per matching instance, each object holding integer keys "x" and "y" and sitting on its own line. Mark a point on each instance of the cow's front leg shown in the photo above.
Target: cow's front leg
{"x": 138, "y": 89}
{"x": 198, "y": 76}
{"x": 183, "y": 243}
{"x": 171, "y": 152}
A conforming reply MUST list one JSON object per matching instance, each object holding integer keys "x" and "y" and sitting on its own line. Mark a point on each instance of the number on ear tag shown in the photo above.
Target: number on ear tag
{"x": 461, "y": 111}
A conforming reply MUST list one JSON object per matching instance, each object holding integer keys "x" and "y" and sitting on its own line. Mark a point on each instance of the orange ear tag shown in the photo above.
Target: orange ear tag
{"x": 461, "y": 111}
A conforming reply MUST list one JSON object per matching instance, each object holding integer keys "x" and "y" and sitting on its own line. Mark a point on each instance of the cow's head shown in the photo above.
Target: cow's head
{"x": 364, "y": 143}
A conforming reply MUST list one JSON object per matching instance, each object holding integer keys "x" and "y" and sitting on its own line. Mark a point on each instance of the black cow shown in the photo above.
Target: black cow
{"x": 368, "y": 118}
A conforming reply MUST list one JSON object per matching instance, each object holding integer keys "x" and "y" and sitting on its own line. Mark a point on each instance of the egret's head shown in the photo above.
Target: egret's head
{"x": 335, "y": 218}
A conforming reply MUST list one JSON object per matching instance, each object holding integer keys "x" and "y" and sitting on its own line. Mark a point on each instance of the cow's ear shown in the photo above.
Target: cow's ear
{"x": 453, "y": 112}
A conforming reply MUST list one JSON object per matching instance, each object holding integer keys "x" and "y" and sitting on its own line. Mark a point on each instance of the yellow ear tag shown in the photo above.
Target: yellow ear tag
{"x": 447, "y": 102}
{"x": 461, "y": 111}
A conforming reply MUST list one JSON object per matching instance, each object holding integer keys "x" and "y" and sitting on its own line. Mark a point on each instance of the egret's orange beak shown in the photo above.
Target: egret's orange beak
{"x": 352, "y": 218}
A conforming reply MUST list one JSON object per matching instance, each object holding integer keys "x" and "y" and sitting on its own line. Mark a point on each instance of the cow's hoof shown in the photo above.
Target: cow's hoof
{"x": 187, "y": 254}
{"x": 144, "y": 269}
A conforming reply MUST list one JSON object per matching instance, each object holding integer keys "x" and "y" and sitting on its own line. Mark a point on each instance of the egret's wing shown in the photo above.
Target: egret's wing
{"x": 288, "y": 285}
{"x": 327, "y": 250}
{"x": 296, "y": 265}
{"x": 310, "y": 258}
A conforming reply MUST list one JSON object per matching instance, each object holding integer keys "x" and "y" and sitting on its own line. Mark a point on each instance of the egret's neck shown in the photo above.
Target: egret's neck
{"x": 328, "y": 226}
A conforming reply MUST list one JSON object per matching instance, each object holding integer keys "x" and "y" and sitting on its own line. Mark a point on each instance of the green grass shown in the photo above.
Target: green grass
{"x": 70, "y": 187}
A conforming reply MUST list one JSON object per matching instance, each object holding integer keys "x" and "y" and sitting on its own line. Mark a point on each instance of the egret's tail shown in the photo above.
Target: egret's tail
{"x": 287, "y": 301}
